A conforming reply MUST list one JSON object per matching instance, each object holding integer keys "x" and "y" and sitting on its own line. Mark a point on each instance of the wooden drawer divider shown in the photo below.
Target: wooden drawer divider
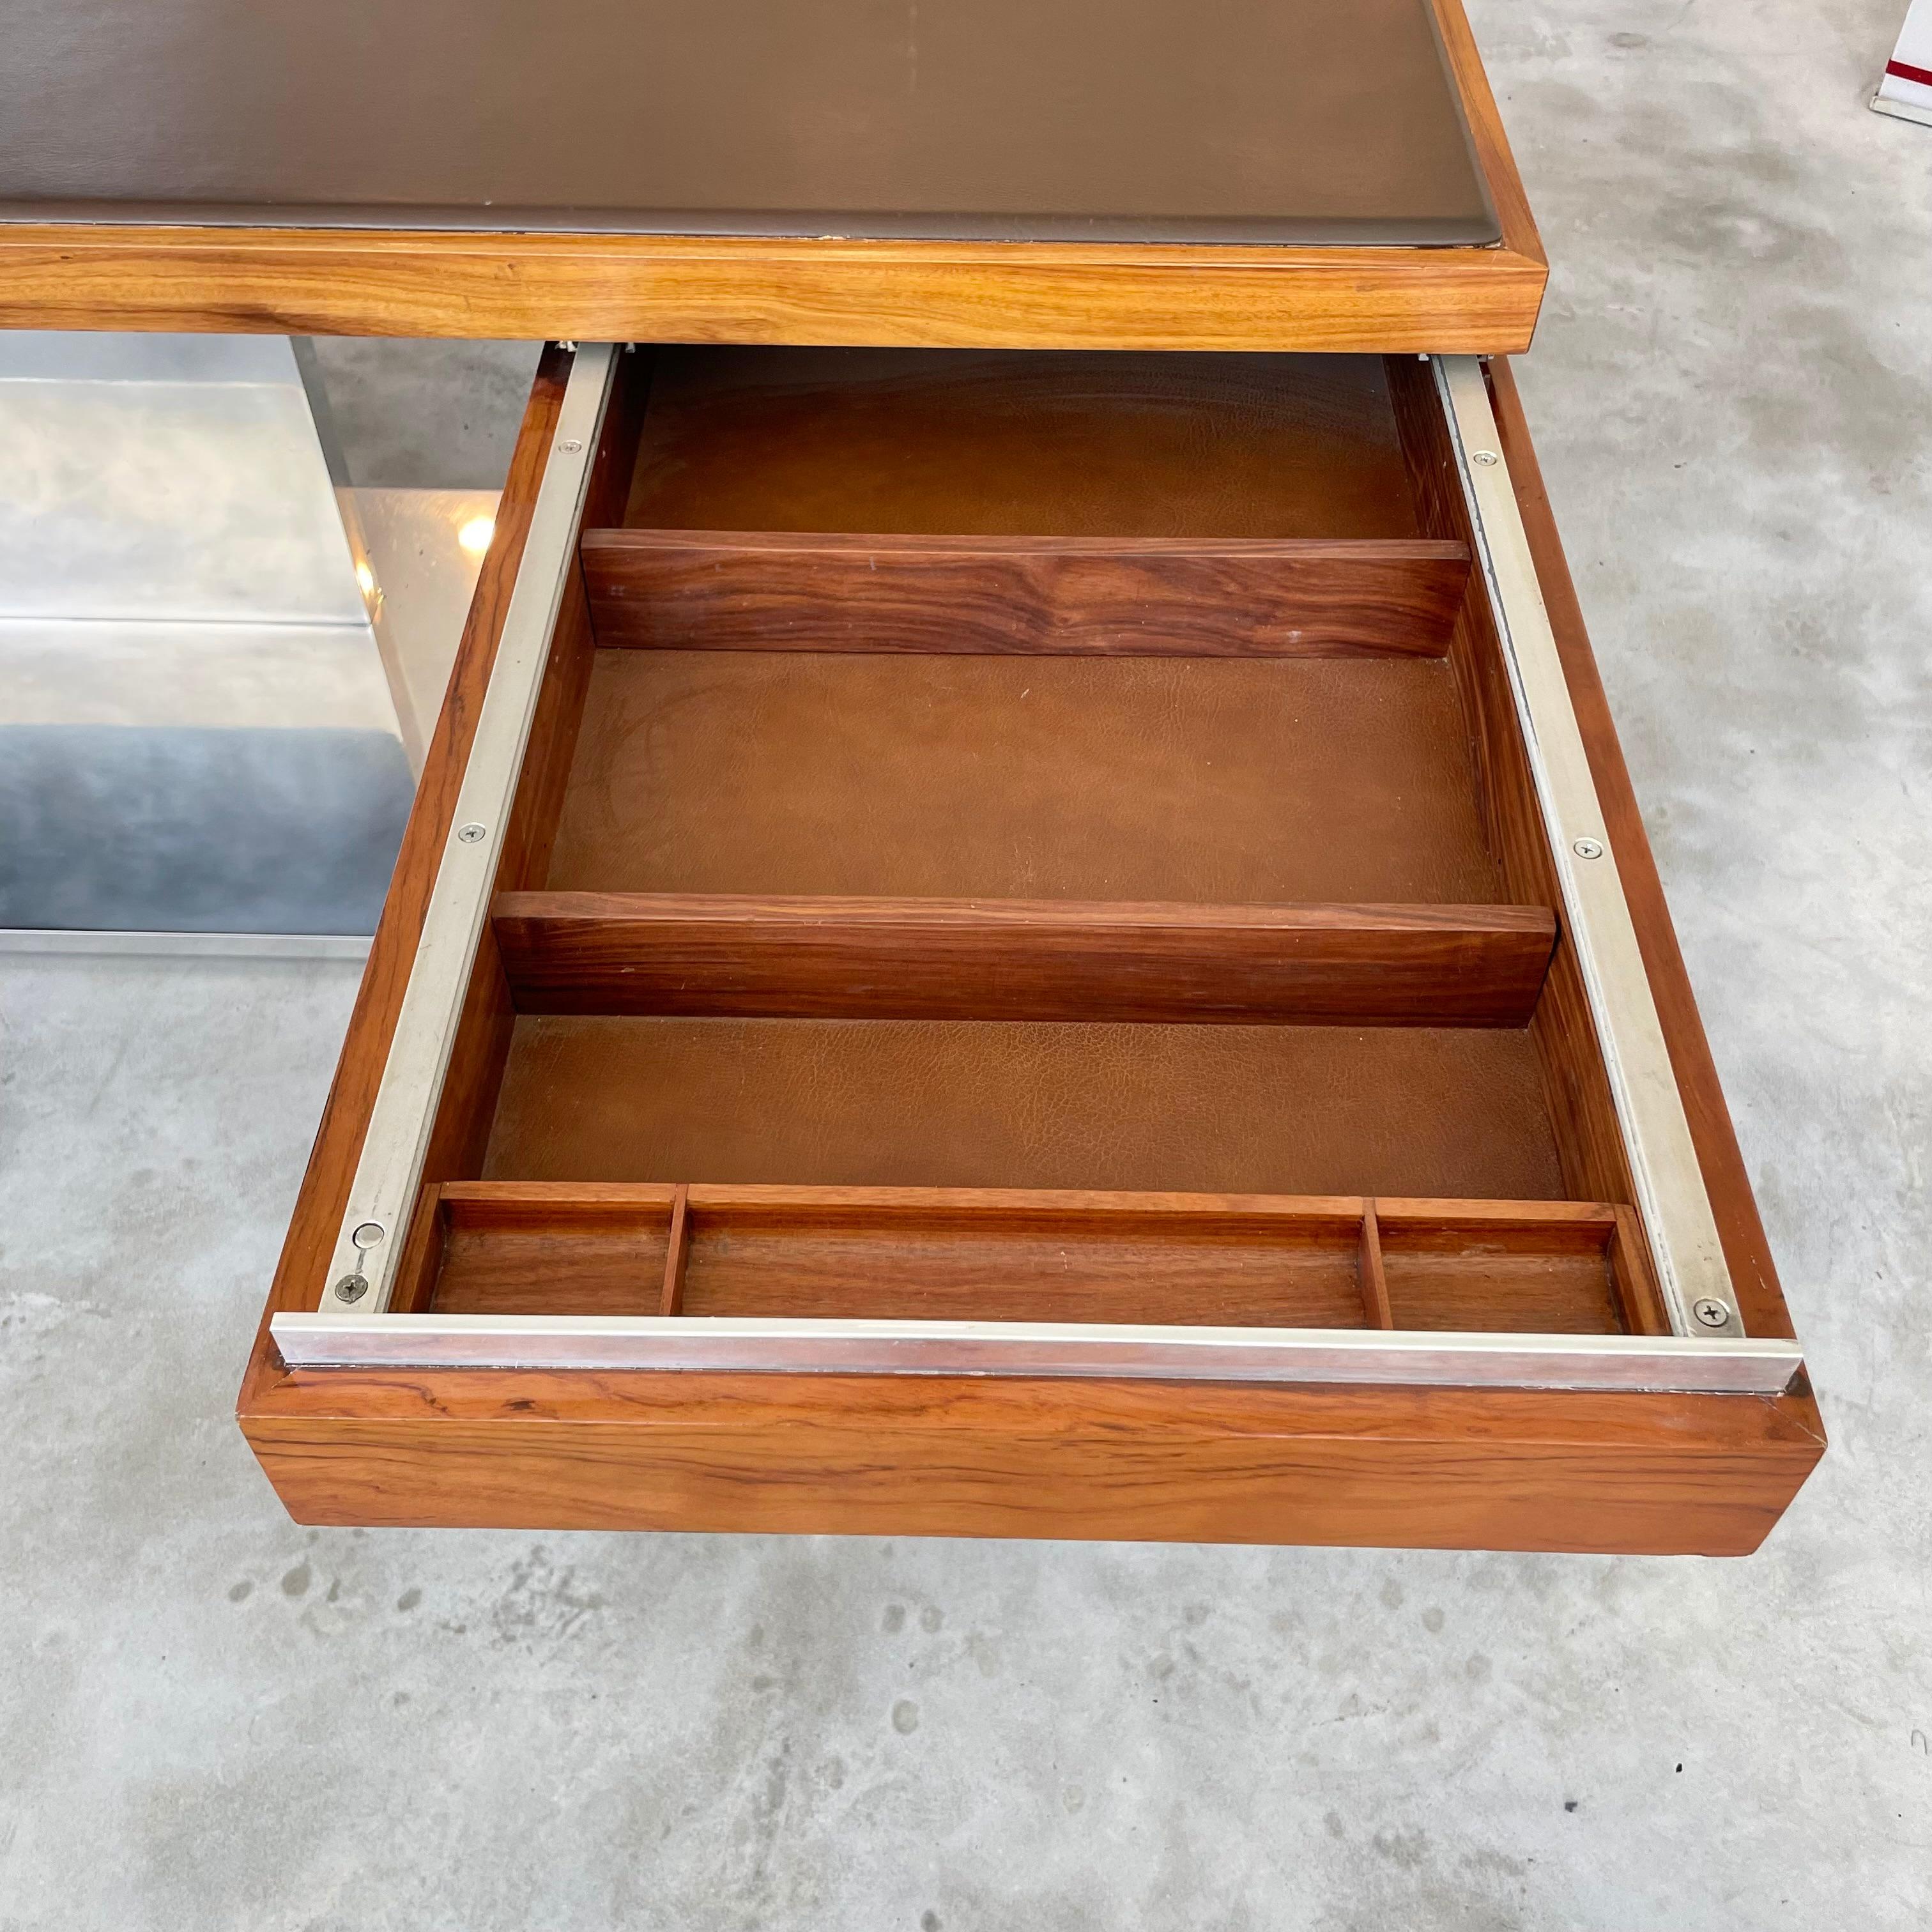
{"x": 823, "y": 957}
{"x": 1110, "y": 596}
{"x": 1535, "y": 1294}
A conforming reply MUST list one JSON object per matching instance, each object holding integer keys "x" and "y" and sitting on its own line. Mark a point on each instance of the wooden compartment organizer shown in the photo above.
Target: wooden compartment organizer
{"x": 1006, "y": 942}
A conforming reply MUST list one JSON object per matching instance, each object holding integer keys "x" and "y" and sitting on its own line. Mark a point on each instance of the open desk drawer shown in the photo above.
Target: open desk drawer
{"x": 1029, "y": 943}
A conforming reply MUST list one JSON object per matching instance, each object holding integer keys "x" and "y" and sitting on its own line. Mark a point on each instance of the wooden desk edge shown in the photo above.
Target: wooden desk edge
{"x": 689, "y": 289}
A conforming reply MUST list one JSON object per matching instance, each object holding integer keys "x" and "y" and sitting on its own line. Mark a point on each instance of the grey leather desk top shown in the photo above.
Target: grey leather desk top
{"x": 1263, "y": 120}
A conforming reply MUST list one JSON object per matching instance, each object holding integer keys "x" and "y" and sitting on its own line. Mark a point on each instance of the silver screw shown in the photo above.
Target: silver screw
{"x": 1712, "y": 1314}
{"x": 1485, "y": 457}
{"x": 1588, "y": 848}
{"x": 352, "y": 1287}
{"x": 471, "y": 835}
{"x": 569, "y": 446}
{"x": 368, "y": 1235}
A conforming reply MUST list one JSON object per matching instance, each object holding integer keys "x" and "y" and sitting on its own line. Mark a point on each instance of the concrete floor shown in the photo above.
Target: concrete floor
{"x": 211, "y": 1718}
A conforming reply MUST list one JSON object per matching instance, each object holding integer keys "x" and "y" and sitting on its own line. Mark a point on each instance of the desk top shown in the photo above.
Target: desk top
{"x": 619, "y": 132}
{"x": 1313, "y": 121}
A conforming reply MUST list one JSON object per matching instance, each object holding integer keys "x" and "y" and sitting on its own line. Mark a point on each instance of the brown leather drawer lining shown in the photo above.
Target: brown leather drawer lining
{"x": 1213, "y": 780}
{"x": 1265, "y": 1110}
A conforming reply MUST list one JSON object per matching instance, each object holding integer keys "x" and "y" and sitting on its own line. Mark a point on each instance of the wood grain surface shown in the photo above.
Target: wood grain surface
{"x": 952, "y": 1455}
{"x": 588, "y": 952}
{"x": 1128, "y": 597}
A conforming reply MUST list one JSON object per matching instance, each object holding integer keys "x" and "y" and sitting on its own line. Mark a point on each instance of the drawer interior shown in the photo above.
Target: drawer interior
{"x": 1025, "y": 837}
{"x": 1201, "y": 780}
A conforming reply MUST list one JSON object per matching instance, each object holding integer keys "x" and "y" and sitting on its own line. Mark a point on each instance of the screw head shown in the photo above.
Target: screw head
{"x": 352, "y": 1287}
{"x": 569, "y": 446}
{"x": 1712, "y": 1314}
{"x": 471, "y": 835}
{"x": 1588, "y": 848}
{"x": 1486, "y": 457}
{"x": 367, "y": 1236}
